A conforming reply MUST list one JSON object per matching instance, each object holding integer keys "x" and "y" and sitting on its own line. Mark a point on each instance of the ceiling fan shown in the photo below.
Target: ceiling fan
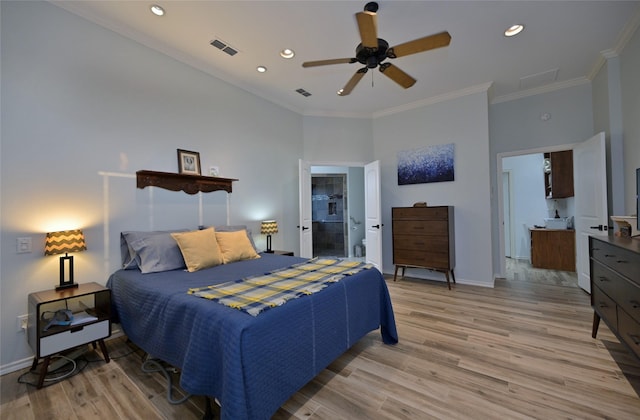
{"x": 372, "y": 51}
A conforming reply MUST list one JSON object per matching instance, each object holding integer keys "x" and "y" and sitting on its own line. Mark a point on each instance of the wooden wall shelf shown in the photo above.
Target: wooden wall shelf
{"x": 191, "y": 184}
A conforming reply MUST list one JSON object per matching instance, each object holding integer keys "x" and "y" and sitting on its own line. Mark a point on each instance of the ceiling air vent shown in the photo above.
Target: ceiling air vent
{"x": 224, "y": 47}
{"x": 303, "y": 92}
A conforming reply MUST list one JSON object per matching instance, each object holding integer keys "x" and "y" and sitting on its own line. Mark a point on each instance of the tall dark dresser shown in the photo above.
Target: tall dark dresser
{"x": 424, "y": 237}
{"x": 615, "y": 287}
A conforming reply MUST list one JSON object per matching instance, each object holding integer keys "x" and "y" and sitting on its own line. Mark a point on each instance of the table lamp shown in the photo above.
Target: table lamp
{"x": 62, "y": 243}
{"x": 267, "y": 228}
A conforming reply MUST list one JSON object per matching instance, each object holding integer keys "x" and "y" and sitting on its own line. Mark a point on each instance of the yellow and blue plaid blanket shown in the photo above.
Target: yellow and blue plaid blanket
{"x": 254, "y": 295}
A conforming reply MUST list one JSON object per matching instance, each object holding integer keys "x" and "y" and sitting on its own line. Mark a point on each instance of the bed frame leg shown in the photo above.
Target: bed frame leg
{"x": 208, "y": 411}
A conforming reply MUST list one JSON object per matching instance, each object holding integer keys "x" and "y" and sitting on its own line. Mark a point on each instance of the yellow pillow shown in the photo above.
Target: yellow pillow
{"x": 235, "y": 246}
{"x": 199, "y": 249}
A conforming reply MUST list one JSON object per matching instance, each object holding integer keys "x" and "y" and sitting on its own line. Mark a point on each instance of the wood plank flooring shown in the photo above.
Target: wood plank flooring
{"x": 519, "y": 351}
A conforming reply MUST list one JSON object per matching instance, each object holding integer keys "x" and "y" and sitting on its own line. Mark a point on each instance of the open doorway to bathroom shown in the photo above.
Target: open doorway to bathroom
{"x": 328, "y": 211}
{"x": 337, "y": 208}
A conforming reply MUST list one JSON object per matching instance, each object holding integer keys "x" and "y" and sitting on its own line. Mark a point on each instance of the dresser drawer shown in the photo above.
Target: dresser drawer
{"x": 604, "y": 306}
{"x": 420, "y": 213}
{"x": 629, "y": 331}
{"x": 606, "y": 279}
{"x": 421, "y": 243}
{"x": 621, "y": 260}
{"x": 628, "y": 298}
{"x": 82, "y": 334}
{"x": 422, "y": 259}
{"x": 421, "y": 227}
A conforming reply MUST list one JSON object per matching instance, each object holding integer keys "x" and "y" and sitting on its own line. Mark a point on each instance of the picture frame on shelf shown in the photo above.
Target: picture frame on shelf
{"x": 189, "y": 162}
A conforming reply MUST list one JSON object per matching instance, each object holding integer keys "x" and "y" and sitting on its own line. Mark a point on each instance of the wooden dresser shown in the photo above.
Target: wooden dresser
{"x": 424, "y": 237}
{"x": 615, "y": 287}
{"x": 553, "y": 249}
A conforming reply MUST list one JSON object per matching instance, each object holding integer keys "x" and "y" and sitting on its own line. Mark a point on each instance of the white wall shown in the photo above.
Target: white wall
{"x": 77, "y": 100}
{"x": 529, "y": 204}
{"x": 464, "y": 122}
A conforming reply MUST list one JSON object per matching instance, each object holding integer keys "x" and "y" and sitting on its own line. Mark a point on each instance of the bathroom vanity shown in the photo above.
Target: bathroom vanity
{"x": 553, "y": 249}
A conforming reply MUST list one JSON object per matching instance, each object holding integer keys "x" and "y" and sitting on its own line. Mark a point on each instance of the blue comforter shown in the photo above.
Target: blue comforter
{"x": 252, "y": 365}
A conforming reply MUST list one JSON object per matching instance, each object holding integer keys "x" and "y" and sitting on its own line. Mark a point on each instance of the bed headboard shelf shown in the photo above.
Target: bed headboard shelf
{"x": 191, "y": 184}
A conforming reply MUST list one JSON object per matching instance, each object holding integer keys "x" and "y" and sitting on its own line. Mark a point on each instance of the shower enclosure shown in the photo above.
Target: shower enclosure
{"x": 329, "y": 212}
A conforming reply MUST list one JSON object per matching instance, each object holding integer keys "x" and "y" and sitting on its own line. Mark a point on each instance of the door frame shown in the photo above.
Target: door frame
{"x": 314, "y": 163}
{"x": 546, "y": 149}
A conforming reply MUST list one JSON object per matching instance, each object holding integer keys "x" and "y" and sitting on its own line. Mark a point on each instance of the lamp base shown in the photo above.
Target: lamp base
{"x": 66, "y": 286}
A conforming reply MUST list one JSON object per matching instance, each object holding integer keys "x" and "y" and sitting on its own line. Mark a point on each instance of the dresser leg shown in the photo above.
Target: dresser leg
{"x": 453, "y": 276}
{"x": 596, "y": 324}
{"x": 395, "y": 273}
{"x": 446, "y": 274}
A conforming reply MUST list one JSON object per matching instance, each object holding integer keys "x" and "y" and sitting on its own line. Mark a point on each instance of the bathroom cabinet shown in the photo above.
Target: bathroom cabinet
{"x": 553, "y": 249}
{"x": 558, "y": 181}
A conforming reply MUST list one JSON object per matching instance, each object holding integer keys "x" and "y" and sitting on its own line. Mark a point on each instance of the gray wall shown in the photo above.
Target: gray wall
{"x": 79, "y": 102}
{"x": 517, "y": 126}
{"x": 630, "y": 82}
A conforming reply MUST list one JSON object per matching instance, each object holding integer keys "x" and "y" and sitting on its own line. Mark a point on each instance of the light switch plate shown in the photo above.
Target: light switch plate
{"x": 24, "y": 245}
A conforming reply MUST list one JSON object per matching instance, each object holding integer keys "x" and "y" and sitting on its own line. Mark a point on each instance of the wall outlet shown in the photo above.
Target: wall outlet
{"x": 23, "y": 320}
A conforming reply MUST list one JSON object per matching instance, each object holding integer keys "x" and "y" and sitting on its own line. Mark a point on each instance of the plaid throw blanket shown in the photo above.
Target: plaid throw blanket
{"x": 254, "y": 295}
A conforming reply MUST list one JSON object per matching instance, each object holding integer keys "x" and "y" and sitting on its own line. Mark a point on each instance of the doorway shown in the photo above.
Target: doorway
{"x": 329, "y": 207}
{"x": 525, "y": 206}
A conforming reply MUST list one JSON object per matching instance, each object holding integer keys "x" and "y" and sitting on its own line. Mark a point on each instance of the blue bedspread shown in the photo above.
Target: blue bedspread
{"x": 252, "y": 365}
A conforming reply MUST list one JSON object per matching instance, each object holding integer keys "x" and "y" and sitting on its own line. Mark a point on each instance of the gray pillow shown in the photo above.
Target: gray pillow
{"x": 158, "y": 253}
{"x": 129, "y": 258}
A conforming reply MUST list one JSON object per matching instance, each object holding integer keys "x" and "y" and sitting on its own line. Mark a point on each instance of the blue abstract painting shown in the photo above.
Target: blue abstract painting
{"x": 427, "y": 164}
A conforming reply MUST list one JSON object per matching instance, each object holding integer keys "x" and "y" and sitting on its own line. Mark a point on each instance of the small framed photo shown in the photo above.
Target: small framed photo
{"x": 188, "y": 162}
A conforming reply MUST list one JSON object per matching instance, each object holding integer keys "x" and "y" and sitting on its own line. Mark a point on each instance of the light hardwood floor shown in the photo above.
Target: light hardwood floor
{"x": 521, "y": 350}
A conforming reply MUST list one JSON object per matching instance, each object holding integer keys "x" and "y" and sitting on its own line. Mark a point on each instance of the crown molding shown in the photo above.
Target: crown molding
{"x": 542, "y": 89}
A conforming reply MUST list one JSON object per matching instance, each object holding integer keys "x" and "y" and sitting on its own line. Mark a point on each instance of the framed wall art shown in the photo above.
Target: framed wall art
{"x": 427, "y": 164}
{"x": 188, "y": 162}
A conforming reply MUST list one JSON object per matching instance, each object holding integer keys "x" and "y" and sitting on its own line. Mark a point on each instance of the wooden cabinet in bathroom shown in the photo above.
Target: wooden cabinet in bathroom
{"x": 558, "y": 177}
{"x": 553, "y": 249}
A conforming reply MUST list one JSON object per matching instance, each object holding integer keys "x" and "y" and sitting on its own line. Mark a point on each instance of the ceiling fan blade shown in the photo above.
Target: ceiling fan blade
{"x": 368, "y": 26}
{"x": 419, "y": 45}
{"x": 327, "y": 62}
{"x": 397, "y": 75}
{"x": 352, "y": 82}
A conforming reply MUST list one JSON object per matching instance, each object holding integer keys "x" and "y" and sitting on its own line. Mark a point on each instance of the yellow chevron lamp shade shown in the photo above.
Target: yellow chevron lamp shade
{"x": 267, "y": 228}
{"x": 64, "y": 242}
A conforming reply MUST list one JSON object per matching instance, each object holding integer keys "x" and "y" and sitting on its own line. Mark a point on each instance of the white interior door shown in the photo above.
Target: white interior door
{"x": 372, "y": 216}
{"x": 590, "y": 190}
{"x": 305, "y": 225}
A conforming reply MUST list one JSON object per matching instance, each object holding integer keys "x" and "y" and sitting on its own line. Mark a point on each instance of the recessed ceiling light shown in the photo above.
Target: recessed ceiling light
{"x": 514, "y": 30}
{"x": 157, "y": 10}
{"x": 261, "y": 69}
{"x": 287, "y": 53}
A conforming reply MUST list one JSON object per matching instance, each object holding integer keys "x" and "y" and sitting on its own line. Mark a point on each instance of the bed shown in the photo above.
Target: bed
{"x": 250, "y": 364}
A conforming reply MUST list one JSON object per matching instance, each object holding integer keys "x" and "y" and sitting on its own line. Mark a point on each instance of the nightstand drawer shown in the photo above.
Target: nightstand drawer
{"x": 82, "y": 334}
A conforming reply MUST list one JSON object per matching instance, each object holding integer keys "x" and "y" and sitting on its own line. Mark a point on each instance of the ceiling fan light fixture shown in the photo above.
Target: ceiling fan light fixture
{"x": 514, "y": 30}
{"x": 287, "y": 53}
{"x": 339, "y": 92}
{"x": 156, "y": 10}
